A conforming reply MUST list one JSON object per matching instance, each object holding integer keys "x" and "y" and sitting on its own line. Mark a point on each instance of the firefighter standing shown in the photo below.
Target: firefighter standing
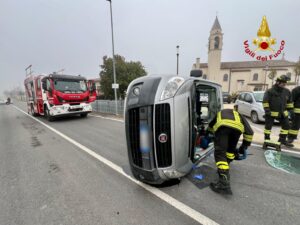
{"x": 227, "y": 127}
{"x": 293, "y": 132}
{"x": 277, "y": 101}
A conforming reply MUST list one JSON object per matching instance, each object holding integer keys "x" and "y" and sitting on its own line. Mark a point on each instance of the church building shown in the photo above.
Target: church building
{"x": 240, "y": 75}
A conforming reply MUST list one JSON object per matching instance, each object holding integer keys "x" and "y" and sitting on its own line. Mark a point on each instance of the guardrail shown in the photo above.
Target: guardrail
{"x": 108, "y": 106}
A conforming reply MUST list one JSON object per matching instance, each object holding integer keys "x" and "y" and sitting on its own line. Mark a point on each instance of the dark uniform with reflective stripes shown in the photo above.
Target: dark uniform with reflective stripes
{"x": 293, "y": 132}
{"x": 277, "y": 101}
{"x": 228, "y": 126}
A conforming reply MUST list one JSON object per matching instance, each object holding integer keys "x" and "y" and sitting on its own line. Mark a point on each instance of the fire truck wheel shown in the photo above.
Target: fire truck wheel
{"x": 83, "y": 115}
{"x": 32, "y": 111}
{"x": 47, "y": 114}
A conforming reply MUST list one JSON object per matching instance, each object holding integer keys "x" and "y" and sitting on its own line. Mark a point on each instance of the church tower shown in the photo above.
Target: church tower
{"x": 215, "y": 43}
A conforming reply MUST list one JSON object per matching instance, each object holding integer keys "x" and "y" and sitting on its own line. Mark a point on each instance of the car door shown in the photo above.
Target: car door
{"x": 248, "y": 101}
{"x": 240, "y": 103}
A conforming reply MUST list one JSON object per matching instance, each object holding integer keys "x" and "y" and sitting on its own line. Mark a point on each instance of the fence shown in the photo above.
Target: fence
{"x": 108, "y": 106}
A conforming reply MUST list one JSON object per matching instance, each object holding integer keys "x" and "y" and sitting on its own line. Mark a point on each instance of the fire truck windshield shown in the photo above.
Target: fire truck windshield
{"x": 70, "y": 86}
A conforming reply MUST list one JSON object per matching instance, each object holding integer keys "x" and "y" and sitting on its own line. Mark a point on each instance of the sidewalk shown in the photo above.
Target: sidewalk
{"x": 258, "y": 137}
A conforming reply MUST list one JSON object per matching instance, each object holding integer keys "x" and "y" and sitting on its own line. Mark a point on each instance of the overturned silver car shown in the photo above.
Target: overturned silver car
{"x": 164, "y": 115}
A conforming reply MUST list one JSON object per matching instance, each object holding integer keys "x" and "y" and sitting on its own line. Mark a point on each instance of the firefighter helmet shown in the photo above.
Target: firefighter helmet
{"x": 283, "y": 79}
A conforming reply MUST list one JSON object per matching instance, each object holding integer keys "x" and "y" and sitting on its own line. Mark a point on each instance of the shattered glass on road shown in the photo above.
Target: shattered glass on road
{"x": 283, "y": 161}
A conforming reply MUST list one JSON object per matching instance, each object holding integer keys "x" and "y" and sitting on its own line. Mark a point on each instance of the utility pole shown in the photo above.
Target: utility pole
{"x": 177, "y": 48}
{"x": 115, "y": 85}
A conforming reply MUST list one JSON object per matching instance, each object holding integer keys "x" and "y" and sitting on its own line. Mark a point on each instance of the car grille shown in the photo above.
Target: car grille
{"x": 163, "y": 126}
{"x": 143, "y": 116}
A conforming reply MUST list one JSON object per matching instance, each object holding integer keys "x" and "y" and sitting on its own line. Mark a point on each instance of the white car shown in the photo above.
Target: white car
{"x": 2, "y": 102}
{"x": 250, "y": 104}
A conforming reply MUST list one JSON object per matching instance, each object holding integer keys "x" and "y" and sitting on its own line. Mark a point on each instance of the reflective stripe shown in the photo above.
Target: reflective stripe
{"x": 290, "y": 105}
{"x": 210, "y": 129}
{"x": 222, "y": 165}
{"x": 248, "y": 137}
{"x": 274, "y": 113}
{"x": 266, "y": 105}
{"x": 236, "y": 123}
{"x": 295, "y": 132}
{"x": 284, "y": 131}
{"x": 296, "y": 110}
{"x": 267, "y": 131}
{"x": 285, "y": 113}
{"x": 273, "y": 142}
{"x": 230, "y": 155}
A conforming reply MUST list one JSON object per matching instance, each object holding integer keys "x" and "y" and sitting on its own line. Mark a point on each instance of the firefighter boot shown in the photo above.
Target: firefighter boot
{"x": 290, "y": 140}
{"x": 223, "y": 185}
{"x": 283, "y": 141}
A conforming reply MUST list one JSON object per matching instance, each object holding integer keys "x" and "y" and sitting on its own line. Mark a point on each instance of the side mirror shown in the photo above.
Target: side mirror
{"x": 196, "y": 73}
{"x": 93, "y": 88}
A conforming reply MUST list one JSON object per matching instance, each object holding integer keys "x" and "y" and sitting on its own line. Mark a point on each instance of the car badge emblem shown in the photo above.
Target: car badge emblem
{"x": 163, "y": 138}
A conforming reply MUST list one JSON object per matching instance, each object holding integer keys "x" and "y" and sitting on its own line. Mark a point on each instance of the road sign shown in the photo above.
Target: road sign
{"x": 115, "y": 86}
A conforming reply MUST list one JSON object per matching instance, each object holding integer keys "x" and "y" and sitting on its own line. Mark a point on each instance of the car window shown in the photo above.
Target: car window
{"x": 259, "y": 96}
{"x": 248, "y": 98}
{"x": 241, "y": 97}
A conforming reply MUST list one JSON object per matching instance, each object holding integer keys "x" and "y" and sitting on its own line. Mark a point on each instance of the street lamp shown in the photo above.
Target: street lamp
{"x": 267, "y": 67}
{"x": 177, "y": 48}
{"x": 114, "y": 86}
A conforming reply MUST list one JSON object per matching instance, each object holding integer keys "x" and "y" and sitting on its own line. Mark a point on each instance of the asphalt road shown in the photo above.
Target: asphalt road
{"x": 46, "y": 179}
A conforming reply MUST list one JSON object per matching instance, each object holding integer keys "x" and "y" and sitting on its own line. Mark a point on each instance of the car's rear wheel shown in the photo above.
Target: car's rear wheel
{"x": 254, "y": 117}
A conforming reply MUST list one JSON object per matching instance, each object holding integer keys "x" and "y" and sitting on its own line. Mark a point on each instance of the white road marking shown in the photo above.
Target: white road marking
{"x": 197, "y": 216}
{"x": 107, "y": 118}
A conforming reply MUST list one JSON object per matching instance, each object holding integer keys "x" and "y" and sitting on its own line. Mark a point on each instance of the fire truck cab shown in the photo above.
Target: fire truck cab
{"x": 58, "y": 95}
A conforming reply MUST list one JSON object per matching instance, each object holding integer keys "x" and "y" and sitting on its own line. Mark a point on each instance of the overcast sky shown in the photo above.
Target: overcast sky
{"x": 75, "y": 34}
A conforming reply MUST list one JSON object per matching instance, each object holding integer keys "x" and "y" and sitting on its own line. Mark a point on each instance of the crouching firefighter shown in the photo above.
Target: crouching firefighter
{"x": 294, "y": 130}
{"x": 227, "y": 127}
{"x": 277, "y": 102}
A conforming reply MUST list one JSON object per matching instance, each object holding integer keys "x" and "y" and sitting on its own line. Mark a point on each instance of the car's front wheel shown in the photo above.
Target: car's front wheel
{"x": 254, "y": 117}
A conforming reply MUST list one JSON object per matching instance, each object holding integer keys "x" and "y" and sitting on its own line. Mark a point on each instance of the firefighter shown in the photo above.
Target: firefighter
{"x": 276, "y": 102}
{"x": 293, "y": 132}
{"x": 227, "y": 127}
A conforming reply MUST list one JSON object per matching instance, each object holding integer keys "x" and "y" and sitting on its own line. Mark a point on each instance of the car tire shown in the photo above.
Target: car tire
{"x": 254, "y": 117}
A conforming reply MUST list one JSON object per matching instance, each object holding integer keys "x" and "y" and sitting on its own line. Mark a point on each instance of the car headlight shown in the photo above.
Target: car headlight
{"x": 171, "y": 88}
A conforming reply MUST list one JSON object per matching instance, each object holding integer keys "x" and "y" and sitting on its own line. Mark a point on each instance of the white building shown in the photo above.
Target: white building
{"x": 240, "y": 75}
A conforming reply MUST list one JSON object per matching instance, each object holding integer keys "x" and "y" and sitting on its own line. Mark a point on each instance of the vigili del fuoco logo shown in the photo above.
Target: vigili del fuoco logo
{"x": 263, "y": 49}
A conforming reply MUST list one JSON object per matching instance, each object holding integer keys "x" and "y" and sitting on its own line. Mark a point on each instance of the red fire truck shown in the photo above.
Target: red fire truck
{"x": 59, "y": 95}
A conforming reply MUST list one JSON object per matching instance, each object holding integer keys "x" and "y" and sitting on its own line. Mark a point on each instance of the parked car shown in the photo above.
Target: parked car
{"x": 226, "y": 97}
{"x": 2, "y": 102}
{"x": 250, "y": 104}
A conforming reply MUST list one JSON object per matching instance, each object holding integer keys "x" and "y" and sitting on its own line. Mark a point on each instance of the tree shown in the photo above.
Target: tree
{"x": 272, "y": 75}
{"x": 125, "y": 73}
{"x": 297, "y": 72}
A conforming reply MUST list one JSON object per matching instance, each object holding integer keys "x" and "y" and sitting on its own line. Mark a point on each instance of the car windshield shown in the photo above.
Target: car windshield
{"x": 70, "y": 86}
{"x": 259, "y": 96}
